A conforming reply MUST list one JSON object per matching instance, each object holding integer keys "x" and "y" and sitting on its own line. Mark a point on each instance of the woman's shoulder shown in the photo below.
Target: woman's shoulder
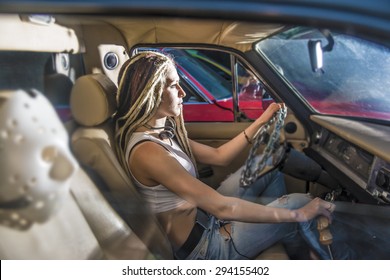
{"x": 144, "y": 142}
{"x": 139, "y": 136}
{"x": 136, "y": 139}
{"x": 148, "y": 150}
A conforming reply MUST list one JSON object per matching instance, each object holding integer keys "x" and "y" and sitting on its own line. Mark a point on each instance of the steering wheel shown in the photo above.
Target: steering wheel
{"x": 274, "y": 152}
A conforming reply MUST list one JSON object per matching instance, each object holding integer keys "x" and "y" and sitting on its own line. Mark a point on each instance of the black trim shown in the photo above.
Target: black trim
{"x": 15, "y": 204}
{"x": 195, "y": 235}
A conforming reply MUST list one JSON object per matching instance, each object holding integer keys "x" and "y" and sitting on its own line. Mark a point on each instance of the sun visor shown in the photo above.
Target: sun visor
{"x": 239, "y": 35}
{"x": 36, "y": 33}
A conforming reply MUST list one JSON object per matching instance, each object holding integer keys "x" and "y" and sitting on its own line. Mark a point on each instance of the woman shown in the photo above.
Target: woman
{"x": 154, "y": 149}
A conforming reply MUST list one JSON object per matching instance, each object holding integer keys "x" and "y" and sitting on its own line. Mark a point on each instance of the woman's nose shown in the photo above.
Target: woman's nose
{"x": 182, "y": 93}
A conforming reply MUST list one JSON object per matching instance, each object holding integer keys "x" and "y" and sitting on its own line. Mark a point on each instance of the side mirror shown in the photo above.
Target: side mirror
{"x": 316, "y": 55}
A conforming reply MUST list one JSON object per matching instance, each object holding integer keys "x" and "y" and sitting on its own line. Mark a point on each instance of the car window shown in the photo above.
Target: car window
{"x": 16, "y": 64}
{"x": 206, "y": 77}
{"x": 354, "y": 77}
{"x": 253, "y": 97}
{"x": 59, "y": 71}
{"x": 218, "y": 87}
{"x": 192, "y": 94}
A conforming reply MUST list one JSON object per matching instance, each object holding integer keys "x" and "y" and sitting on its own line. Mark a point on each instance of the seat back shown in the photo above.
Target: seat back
{"x": 115, "y": 238}
{"x": 93, "y": 102}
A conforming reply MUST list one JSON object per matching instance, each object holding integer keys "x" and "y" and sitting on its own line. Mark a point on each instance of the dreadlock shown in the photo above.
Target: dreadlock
{"x": 141, "y": 82}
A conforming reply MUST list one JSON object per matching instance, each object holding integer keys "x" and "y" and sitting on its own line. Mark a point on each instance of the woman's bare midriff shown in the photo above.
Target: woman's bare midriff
{"x": 179, "y": 222}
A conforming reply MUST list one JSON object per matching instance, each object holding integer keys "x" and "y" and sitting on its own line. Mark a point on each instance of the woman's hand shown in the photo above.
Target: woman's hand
{"x": 313, "y": 209}
{"x": 270, "y": 111}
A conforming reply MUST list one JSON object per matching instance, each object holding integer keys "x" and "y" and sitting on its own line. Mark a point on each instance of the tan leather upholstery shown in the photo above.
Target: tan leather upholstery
{"x": 93, "y": 100}
{"x": 116, "y": 239}
{"x": 275, "y": 252}
{"x": 92, "y": 104}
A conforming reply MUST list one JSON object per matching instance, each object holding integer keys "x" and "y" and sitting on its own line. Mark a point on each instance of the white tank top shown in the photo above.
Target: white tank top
{"x": 159, "y": 197}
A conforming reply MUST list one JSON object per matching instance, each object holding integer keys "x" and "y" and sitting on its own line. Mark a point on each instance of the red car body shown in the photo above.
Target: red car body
{"x": 250, "y": 103}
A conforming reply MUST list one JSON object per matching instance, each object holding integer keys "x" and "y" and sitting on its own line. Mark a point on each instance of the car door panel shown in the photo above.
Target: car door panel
{"x": 216, "y": 134}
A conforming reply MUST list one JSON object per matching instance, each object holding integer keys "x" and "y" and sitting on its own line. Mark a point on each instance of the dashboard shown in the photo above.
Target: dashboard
{"x": 363, "y": 171}
{"x": 373, "y": 172}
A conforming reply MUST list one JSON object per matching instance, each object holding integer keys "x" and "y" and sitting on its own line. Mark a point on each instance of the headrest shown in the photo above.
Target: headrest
{"x": 93, "y": 99}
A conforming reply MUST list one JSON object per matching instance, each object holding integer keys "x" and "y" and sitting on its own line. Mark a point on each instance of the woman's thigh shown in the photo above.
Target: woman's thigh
{"x": 268, "y": 187}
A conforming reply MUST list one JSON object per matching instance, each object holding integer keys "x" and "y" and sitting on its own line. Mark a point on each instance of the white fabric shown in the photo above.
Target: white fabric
{"x": 159, "y": 197}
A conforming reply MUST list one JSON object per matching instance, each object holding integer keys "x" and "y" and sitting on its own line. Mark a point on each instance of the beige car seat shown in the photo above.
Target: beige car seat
{"x": 93, "y": 102}
{"x": 49, "y": 208}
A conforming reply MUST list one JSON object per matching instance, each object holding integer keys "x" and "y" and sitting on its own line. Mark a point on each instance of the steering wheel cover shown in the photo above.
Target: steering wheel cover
{"x": 274, "y": 151}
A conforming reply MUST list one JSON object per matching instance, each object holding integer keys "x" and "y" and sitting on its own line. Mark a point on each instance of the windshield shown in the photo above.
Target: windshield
{"x": 353, "y": 81}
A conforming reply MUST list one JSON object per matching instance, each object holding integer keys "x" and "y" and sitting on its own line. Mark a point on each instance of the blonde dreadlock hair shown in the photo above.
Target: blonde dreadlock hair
{"x": 141, "y": 83}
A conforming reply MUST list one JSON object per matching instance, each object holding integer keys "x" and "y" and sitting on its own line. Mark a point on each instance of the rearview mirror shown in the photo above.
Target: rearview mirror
{"x": 316, "y": 55}
{"x": 316, "y": 50}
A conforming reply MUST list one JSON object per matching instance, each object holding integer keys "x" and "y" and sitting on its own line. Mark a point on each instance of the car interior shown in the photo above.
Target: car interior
{"x": 345, "y": 160}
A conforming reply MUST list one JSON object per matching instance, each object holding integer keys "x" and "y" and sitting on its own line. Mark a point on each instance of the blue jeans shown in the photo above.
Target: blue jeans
{"x": 247, "y": 240}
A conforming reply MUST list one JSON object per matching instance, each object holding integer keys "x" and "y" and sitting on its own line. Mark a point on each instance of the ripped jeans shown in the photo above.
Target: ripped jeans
{"x": 247, "y": 240}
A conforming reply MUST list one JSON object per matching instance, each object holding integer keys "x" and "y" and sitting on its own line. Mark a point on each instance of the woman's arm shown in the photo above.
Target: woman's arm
{"x": 224, "y": 154}
{"x": 152, "y": 164}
